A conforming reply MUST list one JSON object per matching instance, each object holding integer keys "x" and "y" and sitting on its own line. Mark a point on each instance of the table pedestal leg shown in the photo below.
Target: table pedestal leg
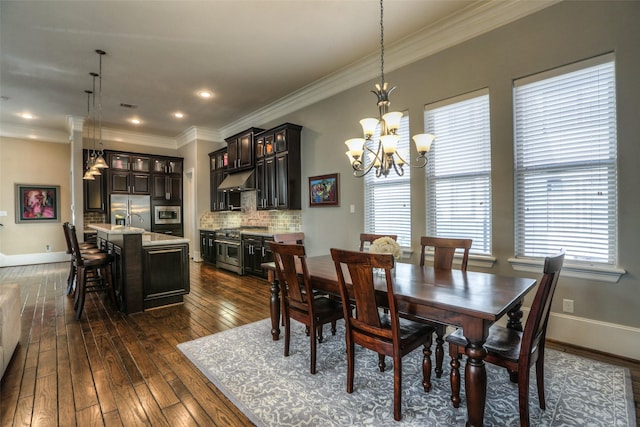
{"x": 515, "y": 317}
{"x": 475, "y": 376}
{"x": 275, "y": 309}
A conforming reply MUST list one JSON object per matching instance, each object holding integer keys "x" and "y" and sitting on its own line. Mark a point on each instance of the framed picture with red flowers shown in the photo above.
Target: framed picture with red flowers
{"x": 37, "y": 203}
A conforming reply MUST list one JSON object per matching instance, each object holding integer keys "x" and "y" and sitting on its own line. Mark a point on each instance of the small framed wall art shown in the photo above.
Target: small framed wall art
{"x": 37, "y": 203}
{"x": 324, "y": 190}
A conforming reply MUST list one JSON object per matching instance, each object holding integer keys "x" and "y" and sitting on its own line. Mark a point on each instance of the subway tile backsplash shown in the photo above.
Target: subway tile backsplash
{"x": 249, "y": 216}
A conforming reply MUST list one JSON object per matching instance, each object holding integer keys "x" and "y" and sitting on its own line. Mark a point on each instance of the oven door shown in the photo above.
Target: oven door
{"x": 229, "y": 252}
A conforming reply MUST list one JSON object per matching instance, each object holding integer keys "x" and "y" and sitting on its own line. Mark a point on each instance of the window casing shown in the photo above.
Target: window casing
{"x": 458, "y": 175}
{"x": 566, "y": 163}
{"x": 387, "y": 200}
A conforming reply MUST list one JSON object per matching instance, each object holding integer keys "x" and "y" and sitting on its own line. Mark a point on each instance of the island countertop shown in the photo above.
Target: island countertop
{"x": 149, "y": 238}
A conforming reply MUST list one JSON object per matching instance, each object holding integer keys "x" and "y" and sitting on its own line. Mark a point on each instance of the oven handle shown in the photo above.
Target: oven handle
{"x": 227, "y": 242}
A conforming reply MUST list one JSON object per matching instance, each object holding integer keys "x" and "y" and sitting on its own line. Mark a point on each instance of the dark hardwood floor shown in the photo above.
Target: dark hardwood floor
{"x": 117, "y": 370}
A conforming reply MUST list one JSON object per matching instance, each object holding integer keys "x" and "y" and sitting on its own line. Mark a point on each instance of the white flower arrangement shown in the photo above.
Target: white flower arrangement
{"x": 386, "y": 245}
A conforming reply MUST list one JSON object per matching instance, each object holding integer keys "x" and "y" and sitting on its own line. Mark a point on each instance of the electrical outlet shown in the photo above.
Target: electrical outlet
{"x": 567, "y": 305}
{"x": 48, "y": 248}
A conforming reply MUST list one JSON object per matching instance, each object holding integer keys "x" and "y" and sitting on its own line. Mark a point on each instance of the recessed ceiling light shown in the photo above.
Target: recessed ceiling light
{"x": 178, "y": 115}
{"x": 27, "y": 116}
{"x": 205, "y": 94}
{"x": 135, "y": 121}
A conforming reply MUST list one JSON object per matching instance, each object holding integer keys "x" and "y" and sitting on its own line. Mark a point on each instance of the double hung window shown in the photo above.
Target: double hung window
{"x": 459, "y": 170}
{"x": 566, "y": 163}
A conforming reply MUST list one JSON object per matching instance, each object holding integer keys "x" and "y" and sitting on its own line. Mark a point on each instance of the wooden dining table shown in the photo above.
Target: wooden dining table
{"x": 471, "y": 300}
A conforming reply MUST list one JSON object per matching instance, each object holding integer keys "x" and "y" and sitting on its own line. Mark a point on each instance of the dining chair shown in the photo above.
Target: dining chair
{"x": 314, "y": 311}
{"x": 515, "y": 350}
{"x": 297, "y": 238}
{"x": 386, "y": 333}
{"x": 370, "y": 238}
{"x": 85, "y": 248}
{"x": 93, "y": 273}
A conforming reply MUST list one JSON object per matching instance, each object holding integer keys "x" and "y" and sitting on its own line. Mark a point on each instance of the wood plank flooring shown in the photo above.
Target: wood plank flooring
{"x": 116, "y": 370}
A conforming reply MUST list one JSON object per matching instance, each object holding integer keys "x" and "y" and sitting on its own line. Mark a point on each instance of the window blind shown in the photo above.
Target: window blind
{"x": 458, "y": 175}
{"x": 566, "y": 162}
{"x": 387, "y": 200}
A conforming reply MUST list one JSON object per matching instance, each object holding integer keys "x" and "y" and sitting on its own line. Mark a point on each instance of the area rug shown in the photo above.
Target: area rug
{"x": 273, "y": 390}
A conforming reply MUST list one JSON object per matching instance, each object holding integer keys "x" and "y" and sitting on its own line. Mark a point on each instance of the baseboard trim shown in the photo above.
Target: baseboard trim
{"x": 28, "y": 259}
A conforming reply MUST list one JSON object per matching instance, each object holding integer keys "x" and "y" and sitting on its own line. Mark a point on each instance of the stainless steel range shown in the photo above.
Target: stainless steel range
{"x": 228, "y": 249}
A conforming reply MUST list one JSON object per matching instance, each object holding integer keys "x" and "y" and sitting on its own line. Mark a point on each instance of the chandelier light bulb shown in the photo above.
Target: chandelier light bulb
{"x": 423, "y": 142}
{"x": 392, "y": 120}
{"x": 369, "y": 126}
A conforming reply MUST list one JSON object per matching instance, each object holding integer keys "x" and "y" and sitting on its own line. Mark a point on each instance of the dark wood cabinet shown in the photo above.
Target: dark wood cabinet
{"x": 167, "y": 179}
{"x": 278, "y": 169}
{"x": 128, "y": 174}
{"x": 207, "y": 246}
{"x": 166, "y": 274}
{"x": 256, "y": 251}
{"x": 240, "y": 149}
{"x": 221, "y": 200}
{"x": 95, "y": 191}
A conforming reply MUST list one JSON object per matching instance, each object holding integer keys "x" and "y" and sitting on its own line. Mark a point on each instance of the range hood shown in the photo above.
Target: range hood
{"x": 239, "y": 181}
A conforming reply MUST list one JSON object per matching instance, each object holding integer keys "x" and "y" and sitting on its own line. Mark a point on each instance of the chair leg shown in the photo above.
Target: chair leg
{"x": 523, "y": 397}
{"x": 426, "y": 366}
{"x": 397, "y": 388}
{"x": 80, "y": 292}
{"x": 312, "y": 339}
{"x": 540, "y": 379}
{"x": 320, "y": 337}
{"x": 109, "y": 279}
{"x": 287, "y": 333}
{"x": 440, "y": 331}
{"x": 70, "y": 277}
{"x": 333, "y": 328}
{"x": 350, "y": 365}
{"x": 454, "y": 375}
{"x": 381, "y": 363}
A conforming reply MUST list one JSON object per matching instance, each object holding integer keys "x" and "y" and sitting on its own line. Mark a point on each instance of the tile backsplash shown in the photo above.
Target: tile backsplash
{"x": 250, "y": 216}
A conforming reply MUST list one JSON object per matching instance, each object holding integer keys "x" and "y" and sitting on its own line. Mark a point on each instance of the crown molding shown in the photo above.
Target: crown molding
{"x": 34, "y": 133}
{"x": 198, "y": 134}
{"x": 473, "y": 21}
{"x": 137, "y": 138}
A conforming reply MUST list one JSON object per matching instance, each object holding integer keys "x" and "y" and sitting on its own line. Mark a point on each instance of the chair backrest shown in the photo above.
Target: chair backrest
{"x": 535, "y": 329}
{"x": 66, "y": 237}
{"x": 75, "y": 247}
{"x": 297, "y": 238}
{"x": 367, "y": 237}
{"x": 362, "y": 292}
{"x": 444, "y": 250}
{"x": 286, "y": 257}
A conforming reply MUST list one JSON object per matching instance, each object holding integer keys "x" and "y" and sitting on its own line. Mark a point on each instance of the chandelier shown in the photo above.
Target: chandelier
{"x": 386, "y": 157}
{"x": 95, "y": 160}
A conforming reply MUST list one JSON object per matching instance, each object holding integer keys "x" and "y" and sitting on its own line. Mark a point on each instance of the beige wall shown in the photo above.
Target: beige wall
{"x": 30, "y": 162}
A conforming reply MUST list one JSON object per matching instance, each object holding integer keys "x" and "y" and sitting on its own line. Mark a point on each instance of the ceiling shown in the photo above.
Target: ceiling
{"x": 249, "y": 53}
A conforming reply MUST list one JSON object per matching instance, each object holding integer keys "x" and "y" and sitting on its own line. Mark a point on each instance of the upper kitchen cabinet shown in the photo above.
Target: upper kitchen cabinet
{"x": 167, "y": 178}
{"x": 278, "y": 170}
{"x": 221, "y": 200}
{"x": 240, "y": 149}
{"x": 129, "y": 174}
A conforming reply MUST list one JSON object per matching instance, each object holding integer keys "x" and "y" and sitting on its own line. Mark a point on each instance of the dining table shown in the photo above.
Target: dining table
{"x": 468, "y": 299}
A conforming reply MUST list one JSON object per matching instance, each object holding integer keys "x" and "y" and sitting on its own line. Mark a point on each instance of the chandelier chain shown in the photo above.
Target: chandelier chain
{"x": 382, "y": 43}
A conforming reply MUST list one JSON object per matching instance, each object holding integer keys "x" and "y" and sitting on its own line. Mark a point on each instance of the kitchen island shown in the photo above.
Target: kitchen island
{"x": 150, "y": 269}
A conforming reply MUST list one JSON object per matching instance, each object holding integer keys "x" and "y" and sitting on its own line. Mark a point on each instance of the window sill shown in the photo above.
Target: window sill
{"x": 578, "y": 270}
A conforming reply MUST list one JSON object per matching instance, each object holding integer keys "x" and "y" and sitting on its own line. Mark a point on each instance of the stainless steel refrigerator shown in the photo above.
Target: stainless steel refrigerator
{"x": 131, "y": 210}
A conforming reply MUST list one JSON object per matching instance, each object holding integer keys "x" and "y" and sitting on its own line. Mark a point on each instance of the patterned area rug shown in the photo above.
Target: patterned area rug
{"x": 250, "y": 369}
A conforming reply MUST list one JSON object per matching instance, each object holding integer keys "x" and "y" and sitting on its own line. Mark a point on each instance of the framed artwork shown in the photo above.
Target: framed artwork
{"x": 324, "y": 190}
{"x": 37, "y": 203}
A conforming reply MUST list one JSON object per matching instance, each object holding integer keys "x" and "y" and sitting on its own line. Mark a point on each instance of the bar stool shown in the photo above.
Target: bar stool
{"x": 85, "y": 249}
{"x": 93, "y": 273}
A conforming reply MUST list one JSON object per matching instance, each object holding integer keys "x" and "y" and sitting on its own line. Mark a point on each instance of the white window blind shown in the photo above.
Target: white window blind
{"x": 459, "y": 170}
{"x": 387, "y": 200}
{"x": 565, "y": 162}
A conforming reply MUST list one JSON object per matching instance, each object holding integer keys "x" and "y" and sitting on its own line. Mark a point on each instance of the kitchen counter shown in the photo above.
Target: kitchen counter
{"x": 150, "y": 269}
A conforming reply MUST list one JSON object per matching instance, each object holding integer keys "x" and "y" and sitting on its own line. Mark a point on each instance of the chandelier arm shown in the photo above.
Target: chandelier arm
{"x": 422, "y": 162}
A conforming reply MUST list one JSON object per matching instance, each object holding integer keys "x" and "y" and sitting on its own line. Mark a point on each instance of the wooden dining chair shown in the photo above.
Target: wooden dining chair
{"x": 370, "y": 327}
{"x": 93, "y": 273}
{"x": 314, "y": 311}
{"x": 444, "y": 252}
{"x": 85, "y": 248}
{"x": 370, "y": 238}
{"x": 297, "y": 238}
{"x": 515, "y": 350}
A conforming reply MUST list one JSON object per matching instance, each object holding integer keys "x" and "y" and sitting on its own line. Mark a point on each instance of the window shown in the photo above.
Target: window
{"x": 565, "y": 163}
{"x": 387, "y": 200}
{"x": 459, "y": 170}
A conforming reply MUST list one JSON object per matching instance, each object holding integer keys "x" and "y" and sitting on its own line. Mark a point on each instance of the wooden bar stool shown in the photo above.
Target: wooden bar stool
{"x": 85, "y": 249}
